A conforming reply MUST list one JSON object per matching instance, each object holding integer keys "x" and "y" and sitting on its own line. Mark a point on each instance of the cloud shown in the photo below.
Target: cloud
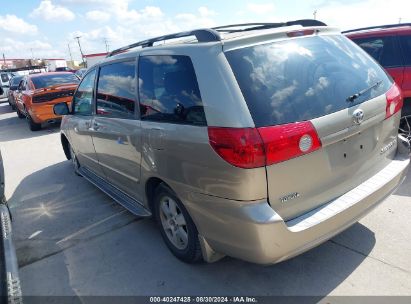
{"x": 352, "y": 16}
{"x": 152, "y": 12}
{"x": 260, "y": 8}
{"x": 206, "y": 12}
{"x": 13, "y": 24}
{"x": 22, "y": 49}
{"x": 188, "y": 21}
{"x": 50, "y": 12}
{"x": 98, "y": 16}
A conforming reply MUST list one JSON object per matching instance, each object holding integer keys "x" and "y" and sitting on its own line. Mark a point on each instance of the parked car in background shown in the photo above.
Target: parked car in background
{"x": 64, "y": 69}
{"x": 4, "y": 83}
{"x": 390, "y": 45}
{"x": 37, "y": 93}
{"x": 257, "y": 144}
{"x": 14, "y": 84}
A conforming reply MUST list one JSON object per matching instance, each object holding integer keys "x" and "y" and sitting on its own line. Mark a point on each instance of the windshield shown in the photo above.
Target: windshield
{"x": 301, "y": 79}
{"x": 54, "y": 79}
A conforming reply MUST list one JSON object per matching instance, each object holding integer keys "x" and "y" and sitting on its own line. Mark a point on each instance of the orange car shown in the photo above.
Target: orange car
{"x": 37, "y": 94}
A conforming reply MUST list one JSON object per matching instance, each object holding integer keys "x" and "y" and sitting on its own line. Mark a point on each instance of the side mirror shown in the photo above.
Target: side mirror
{"x": 61, "y": 109}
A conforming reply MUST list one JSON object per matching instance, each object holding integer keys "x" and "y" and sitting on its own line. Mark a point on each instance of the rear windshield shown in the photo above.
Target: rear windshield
{"x": 304, "y": 78}
{"x": 53, "y": 79}
{"x": 16, "y": 80}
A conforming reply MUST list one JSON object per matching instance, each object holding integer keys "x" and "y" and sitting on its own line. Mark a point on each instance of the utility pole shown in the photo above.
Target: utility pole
{"x": 315, "y": 15}
{"x": 399, "y": 20}
{"x": 71, "y": 57}
{"x": 107, "y": 45}
{"x": 32, "y": 55}
{"x": 81, "y": 51}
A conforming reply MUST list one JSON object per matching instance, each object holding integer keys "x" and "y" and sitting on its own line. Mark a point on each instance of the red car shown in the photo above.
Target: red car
{"x": 390, "y": 45}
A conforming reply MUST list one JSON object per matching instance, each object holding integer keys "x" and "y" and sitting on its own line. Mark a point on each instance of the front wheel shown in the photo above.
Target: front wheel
{"x": 177, "y": 228}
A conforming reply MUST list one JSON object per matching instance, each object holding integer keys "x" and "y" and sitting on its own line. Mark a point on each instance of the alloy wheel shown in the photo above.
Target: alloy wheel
{"x": 173, "y": 222}
{"x": 405, "y": 127}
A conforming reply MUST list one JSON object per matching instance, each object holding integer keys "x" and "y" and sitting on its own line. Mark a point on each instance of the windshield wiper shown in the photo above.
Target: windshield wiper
{"x": 355, "y": 96}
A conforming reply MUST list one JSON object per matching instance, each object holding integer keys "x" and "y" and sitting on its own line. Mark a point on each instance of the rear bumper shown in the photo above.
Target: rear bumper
{"x": 43, "y": 113}
{"x": 254, "y": 232}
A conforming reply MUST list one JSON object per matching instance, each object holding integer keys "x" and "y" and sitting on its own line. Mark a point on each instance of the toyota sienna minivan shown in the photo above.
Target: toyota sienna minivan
{"x": 256, "y": 141}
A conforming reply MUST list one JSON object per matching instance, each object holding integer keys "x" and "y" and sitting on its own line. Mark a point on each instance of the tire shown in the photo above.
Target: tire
{"x": 19, "y": 114}
{"x": 176, "y": 226}
{"x": 74, "y": 161}
{"x": 33, "y": 125}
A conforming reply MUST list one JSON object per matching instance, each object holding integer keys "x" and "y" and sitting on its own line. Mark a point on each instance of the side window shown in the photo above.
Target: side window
{"x": 383, "y": 50}
{"x": 406, "y": 46}
{"x": 168, "y": 90}
{"x": 116, "y": 90}
{"x": 83, "y": 98}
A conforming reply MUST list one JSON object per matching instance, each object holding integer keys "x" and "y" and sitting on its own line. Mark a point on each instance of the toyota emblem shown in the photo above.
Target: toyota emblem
{"x": 358, "y": 116}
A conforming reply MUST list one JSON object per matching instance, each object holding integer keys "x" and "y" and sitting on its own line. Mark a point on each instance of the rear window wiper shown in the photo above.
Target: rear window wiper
{"x": 355, "y": 96}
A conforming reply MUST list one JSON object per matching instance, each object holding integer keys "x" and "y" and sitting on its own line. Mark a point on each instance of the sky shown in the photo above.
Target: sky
{"x": 47, "y": 28}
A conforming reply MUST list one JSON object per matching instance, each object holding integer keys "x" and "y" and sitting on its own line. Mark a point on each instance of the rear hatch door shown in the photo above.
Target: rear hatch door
{"x": 311, "y": 79}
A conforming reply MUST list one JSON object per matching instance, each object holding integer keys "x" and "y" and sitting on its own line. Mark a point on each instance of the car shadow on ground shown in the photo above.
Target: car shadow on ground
{"x": 14, "y": 128}
{"x": 83, "y": 243}
{"x": 405, "y": 188}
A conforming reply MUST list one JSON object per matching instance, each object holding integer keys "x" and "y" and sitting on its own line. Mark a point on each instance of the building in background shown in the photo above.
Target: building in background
{"x": 74, "y": 64}
{"x": 92, "y": 59}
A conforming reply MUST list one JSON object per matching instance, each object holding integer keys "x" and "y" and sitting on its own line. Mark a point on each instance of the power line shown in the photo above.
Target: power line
{"x": 107, "y": 45}
{"x": 81, "y": 51}
{"x": 71, "y": 57}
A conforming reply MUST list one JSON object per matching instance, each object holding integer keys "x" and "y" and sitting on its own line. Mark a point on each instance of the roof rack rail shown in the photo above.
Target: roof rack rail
{"x": 213, "y": 34}
{"x": 377, "y": 27}
{"x": 243, "y": 27}
{"x": 202, "y": 35}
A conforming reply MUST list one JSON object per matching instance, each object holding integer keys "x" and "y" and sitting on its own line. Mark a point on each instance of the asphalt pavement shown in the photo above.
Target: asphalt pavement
{"x": 71, "y": 239}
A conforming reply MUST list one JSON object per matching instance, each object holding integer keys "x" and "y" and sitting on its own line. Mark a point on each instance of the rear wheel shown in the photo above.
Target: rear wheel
{"x": 405, "y": 127}
{"x": 33, "y": 125}
{"x": 74, "y": 161}
{"x": 177, "y": 228}
{"x": 19, "y": 114}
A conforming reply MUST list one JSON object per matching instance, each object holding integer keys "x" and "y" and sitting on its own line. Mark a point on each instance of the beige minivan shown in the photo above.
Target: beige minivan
{"x": 256, "y": 141}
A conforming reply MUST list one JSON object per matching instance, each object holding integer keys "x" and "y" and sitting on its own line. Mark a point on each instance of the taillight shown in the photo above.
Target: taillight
{"x": 287, "y": 141}
{"x": 241, "y": 147}
{"x": 394, "y": 101}
{"x": 252, "y": 148}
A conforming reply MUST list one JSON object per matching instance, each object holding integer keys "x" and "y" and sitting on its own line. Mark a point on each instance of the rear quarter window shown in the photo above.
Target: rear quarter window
{"x": 304, "y": 78}
{"x": 406, "y": 46}
{"x": 382, "y": 49}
